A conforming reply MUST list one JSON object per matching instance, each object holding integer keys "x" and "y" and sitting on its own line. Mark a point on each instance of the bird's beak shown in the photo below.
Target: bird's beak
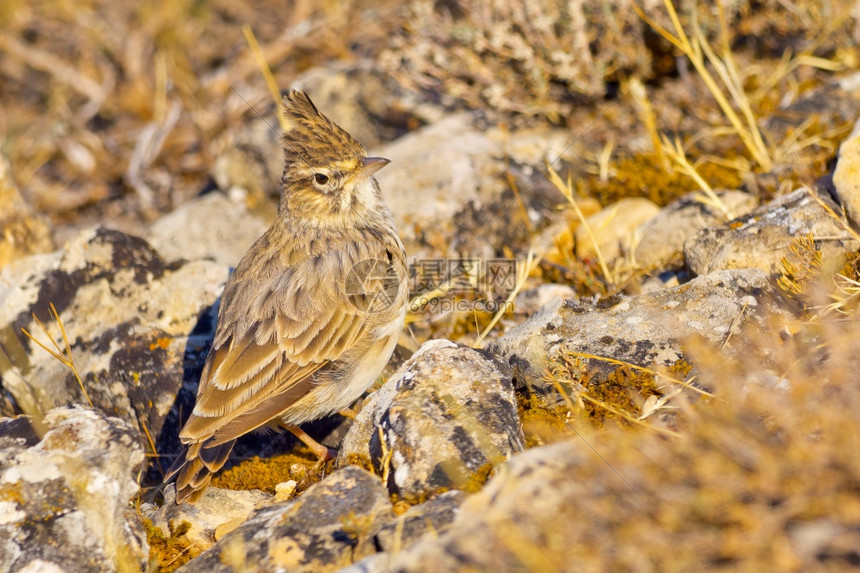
{"x": 373, "y": 164}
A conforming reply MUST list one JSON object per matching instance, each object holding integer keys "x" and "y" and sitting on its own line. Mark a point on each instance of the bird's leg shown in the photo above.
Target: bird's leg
{"x": 322, "y": 453}
{"x": 348, "y": 413}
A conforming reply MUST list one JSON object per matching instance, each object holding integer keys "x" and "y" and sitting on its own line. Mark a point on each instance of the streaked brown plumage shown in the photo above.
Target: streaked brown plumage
{"x": 311, "y": 314}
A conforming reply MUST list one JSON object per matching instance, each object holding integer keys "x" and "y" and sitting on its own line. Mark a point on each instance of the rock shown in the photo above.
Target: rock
{"x": 137, "y": 328}
{"x": 329, "y": 526}
{"x": 433, "y": 516}
{"x": 762, "y": 238}
{"x": 447, "y": 416}
{"x": 64, "y": 501}
{"x": 612, "y": 228}
{"x": 251, "y": 164}
{"x": 214, "y": 227}
{"x": 22, "y": 232}
{"x": 524, "y": 508}
{"x": 666, "y": 279}
{"x": 647, "y": 330}
{"x": 455, "y": 170}
{"x": 532, "y": 300}
{"x": 215, "y": 514}
{"x": 846, "y": 177}
{"x": 661, "y": 245}
{"x": 420, "y": 523}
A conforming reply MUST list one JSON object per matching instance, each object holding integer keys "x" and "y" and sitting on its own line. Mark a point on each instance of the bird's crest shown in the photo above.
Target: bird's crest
{"x": 312, "y": 138}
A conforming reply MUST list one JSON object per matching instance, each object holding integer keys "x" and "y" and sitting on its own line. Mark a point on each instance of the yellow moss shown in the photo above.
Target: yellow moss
{"x": 542, "y": 424}
{"x": 266, "y": 473}
{"x": 617, "y": 396}
{"x": 643, "y": 175}
{"x": 478, "y": 478}
{"x": 168, "y": 553}
{"x": 618, "y": 391}
{"x": 361, "y": 461}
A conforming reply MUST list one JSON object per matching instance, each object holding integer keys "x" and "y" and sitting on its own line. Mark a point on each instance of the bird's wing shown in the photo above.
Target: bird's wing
{"x": 274, "y": 335}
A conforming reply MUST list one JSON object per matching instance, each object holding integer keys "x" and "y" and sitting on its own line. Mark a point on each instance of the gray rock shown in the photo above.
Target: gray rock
{"x": 532, "y": 300}
{"x": 215, "y": 514}
{"x": 525, "y": 507}
{"x": 445, "y": 418}
{"x": 329, "y": 526}
{"x": 661, "y": 245}
{"x": 214, "y": 227}
{"x": 137, "y": 327}
{"x": 431, "y": 517}
{"x": 252, "y": 162}
{"x": 846, "y": 177}
{"x": 455, "y": 169}
{"x": 762, "y": 238}
{"x": 64, "y": 500}
{"x": 647, "y": 330}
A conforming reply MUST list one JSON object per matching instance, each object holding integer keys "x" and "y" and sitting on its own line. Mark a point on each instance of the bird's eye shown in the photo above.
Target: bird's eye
{"x": 320, "y": 178}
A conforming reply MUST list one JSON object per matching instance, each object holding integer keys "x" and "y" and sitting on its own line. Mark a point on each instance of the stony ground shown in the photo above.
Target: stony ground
{"x": 634, "y": 248}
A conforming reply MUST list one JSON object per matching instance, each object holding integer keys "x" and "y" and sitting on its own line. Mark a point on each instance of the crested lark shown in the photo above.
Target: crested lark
{"x": 313, "y": 311}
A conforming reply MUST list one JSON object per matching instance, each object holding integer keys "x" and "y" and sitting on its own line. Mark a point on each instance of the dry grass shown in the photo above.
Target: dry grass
{"x": 761, "y": 476}
{"x": 117, "y": 110}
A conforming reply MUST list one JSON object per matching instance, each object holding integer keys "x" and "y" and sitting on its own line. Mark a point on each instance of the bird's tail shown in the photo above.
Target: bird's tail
{"x": 194, "y": 468}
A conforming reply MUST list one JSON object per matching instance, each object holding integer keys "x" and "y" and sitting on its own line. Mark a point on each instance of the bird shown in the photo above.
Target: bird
{"x": 313, "y": 311}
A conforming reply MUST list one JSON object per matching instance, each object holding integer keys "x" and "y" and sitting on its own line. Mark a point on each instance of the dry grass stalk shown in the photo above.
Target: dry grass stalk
{"x": 675, "y": 151}
{"x": 524, "y": 269}
{"x": 700, "y": 54}
{"x": 63, "y": 355}
{"x": 567, "y": 192}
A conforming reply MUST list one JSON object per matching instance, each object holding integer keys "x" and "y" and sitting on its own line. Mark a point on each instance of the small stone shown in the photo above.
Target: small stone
{"x": 284, "y": 490}
{"x": 661, "y": 245}
{"x": 64, "y": 501}
{"x": 447, "y": 417}
{"x": 331, "y": 524}
{"x": 612, "y": 229}
{"x": 763, "y": 237}
{"x": 532, "y": 300}
{"x": 217, "y": 512}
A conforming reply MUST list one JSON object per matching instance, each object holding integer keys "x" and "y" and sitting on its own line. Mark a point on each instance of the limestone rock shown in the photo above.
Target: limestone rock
{"x": 447, "y": 416}
{"x": 452, "y": 166}
{"x": 613, "y": 228}
{"x": 214, "y": 227}
{"x": 64, "y": 499}
{"x": 431, "y": 517}
{"x": 647, "y": 330}
{"x": 846, "y": 177}
{"x": 522, "y": 508}
{"x": 531, "y": 301}
{"x": 762, "y": 238}
{"x": 211, "y": 517}
{"x": 330, "y": 525}
{"x": 137, "y": 327}
{"x": 662, "y": 237}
